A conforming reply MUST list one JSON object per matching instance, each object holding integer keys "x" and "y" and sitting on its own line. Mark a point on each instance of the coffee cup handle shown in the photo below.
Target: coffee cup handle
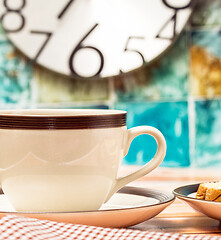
{"x": 148, "y": 167}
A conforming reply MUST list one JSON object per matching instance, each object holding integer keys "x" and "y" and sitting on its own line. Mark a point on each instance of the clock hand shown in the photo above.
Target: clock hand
{"x": 65, "y": 9}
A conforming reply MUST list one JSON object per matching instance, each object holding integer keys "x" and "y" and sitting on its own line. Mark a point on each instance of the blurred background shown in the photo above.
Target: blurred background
{"x": 179, "y": 93}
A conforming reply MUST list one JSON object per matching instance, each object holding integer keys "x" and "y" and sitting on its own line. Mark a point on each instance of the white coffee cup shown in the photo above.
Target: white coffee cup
{"x": 67, "y": 160}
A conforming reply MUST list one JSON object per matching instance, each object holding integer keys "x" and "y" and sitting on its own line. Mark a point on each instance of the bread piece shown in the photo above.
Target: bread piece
{"x": 210, "y": 191}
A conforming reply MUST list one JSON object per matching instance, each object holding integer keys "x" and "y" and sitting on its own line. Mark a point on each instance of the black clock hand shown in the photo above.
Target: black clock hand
{"x": 65, "y": 9}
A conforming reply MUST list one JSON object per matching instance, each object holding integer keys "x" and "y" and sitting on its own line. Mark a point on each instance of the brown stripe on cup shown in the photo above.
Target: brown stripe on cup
{"x": 62, "y": 122}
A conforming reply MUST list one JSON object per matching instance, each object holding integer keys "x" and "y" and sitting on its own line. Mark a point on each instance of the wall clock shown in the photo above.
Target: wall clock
{"x": 93, "y": 38}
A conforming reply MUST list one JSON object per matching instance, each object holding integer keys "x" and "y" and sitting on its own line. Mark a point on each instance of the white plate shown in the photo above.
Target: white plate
{"x": 188, "y": 194}
{"x": 128, "y": 207}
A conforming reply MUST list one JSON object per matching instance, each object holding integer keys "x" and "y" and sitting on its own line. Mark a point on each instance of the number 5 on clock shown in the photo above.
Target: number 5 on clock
{"x": 127, "y": 49}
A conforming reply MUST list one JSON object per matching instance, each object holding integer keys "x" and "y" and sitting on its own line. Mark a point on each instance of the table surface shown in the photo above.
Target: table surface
{"x": 178, "y": 217}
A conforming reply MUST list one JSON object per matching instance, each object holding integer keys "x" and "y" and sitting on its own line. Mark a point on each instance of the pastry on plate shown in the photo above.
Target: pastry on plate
{"x": 210, "y": 191}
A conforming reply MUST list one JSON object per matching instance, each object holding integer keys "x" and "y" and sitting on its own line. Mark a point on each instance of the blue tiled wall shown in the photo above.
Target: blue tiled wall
{"x": 180, "y": 93}
{"x": 15, "y": 76}
{"x": 171, "y": 118}
{"x": 165, "y": 79}
{"x": 207, "y": 133}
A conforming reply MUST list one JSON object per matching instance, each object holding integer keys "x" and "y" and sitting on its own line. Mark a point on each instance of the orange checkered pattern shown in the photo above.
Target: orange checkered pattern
{"x": 14, "y": 227}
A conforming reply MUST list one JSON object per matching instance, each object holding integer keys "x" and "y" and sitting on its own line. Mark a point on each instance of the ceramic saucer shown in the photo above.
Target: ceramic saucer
{"x": 209, "y": 208}
{"x": 127, "y": 207}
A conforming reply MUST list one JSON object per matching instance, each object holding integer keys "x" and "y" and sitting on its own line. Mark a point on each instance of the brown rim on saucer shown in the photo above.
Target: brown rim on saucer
{"x": 162, "y": 196}
{"x": 63, "y": 119}
{"x": 186, "y": 190}
{"x": 209, "y": 208}
{"x": 111, "y": 218}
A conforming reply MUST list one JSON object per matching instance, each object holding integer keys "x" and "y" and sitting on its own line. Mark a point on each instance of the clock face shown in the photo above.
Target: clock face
{"x": 93, "y": 38}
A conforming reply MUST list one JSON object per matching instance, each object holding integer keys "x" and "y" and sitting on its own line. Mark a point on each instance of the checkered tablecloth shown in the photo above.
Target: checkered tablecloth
{"x": 15, "y": 227}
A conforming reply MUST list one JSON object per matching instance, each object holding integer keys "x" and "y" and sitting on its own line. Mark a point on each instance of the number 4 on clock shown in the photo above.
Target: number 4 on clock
{"x": 173, "y": 19}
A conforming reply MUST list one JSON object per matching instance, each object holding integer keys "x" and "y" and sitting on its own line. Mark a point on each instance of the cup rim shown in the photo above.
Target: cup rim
{"x": 52, "y": 119}
{"x": 59, "y": 112}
